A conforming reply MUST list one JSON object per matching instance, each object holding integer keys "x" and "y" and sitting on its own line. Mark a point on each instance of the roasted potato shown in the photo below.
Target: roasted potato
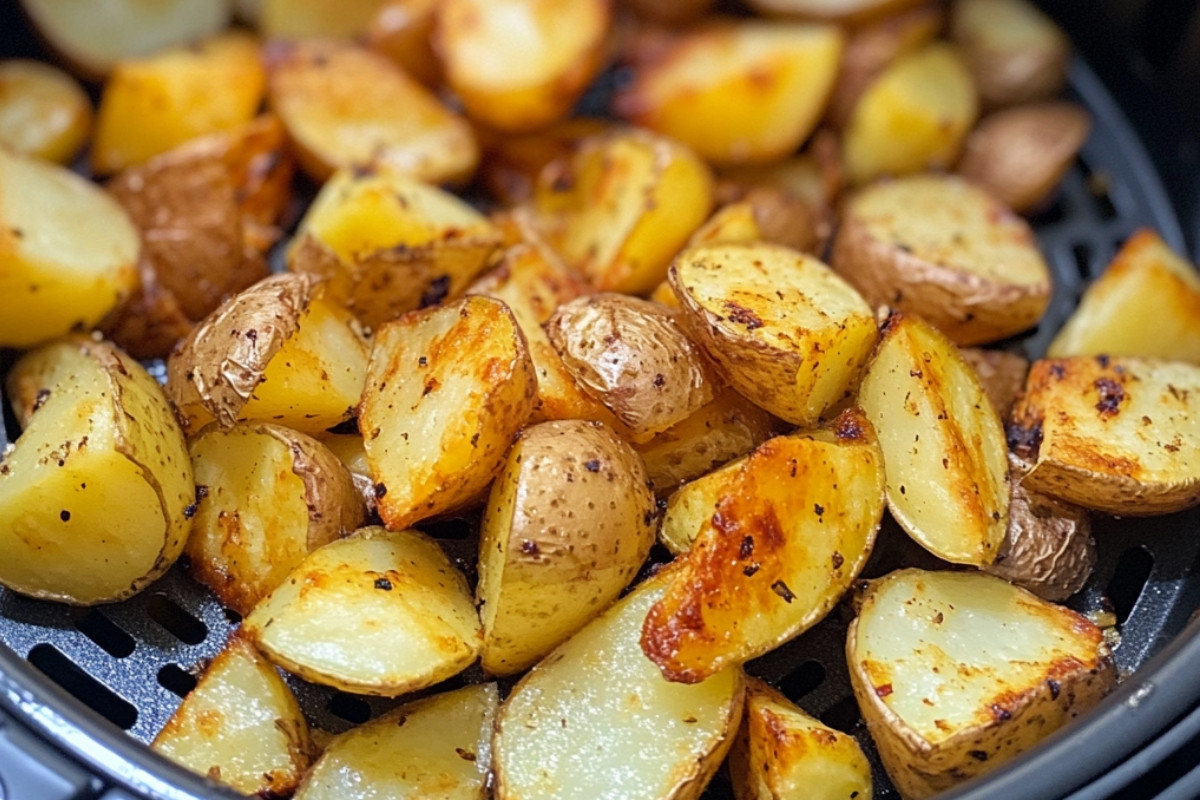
{"x": 254, "y": 358}
{"x": 402, "y": 30}
{"x": 1145, "y": 303}
{"x": 240, "y": 726}
{"x": 782, "y": 753}
{"x": 1016, "y": 54}
{"x": 786, "y": 331}
{"x": 957, "y": 672}
{"x": 438, "y": 746}
{"x": 265, "y": 497}
{"x": 286, "y": 19}
{"x": 68, "y": 252}
{"x": 596, "y": 719}
{"x": 1116, "y": 435}
{"x": 95, "y": 494}
{"x": 346, "y": 106}
{"x": 519, "y": 65}
{"x": 44, "y": 113}
{"x": 447, "y": 389}
{"x": 937, "y": 246}
{"x": 351, "y": 450}
{"x": 691, "y": 506}
{"x": 736, "y": 92}
{"x": 378, "y": 612}
{"x": 944, "y": 443}
{"x": 776, "y": 553}
{"x": 849, "y": 11}
{"x": 512, "y": 162}
{"x": 386, "y": 243}
{"x": 568, "y": 523}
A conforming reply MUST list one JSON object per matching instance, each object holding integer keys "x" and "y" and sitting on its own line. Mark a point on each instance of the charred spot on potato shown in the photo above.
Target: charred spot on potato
{"x": 592, "y": 465}
{"x": 1111, "y": 395}
{"x": 1025, "y": 442}
{"x": 746, "y": 548}
{"x": 380, "y": 490}
{"x": 780, "y": 588}
{"x": 383, "y": 584}
{"x": 435, "y": 292}
{"x": 42, "y": 396}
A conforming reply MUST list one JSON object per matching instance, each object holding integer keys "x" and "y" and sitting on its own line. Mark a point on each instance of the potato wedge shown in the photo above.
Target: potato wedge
{"x": 787, "y": 332}
{"x": 402, "y": 30}
{"x": 519, "y": 65}
{"x": 1016, "y": 54}
{"x": 378, "y": 612}
{"x": 241, "y": 726}
{"x": 937, "y": 246}
{"x": 44, "y": 113}
{"x": 621, "y": 207}
{"x": 1116, "y": 435}
{"x": 736, "y": 92}
{"x": 94, "y": 495}
{"x": 793, "y": 531}
{"x": 944, "y": 443}
{"x": 386, "y": 243}
{"x": 447, "y": 389}
{"x": 266, "y": 496}
{"x": 568, "y": 524}
{"x": 344, "y": 19}
{"x": 691, "y": 507}
{"x": 68, "y": 252}
{"x": 154, "y": 103}
{"x": 438, "y": 746}
{"x": 915, "y": 116}
{"x": 957, "y": 672}
{"x": 276, "y": 352}
{"x": 346, "y": 106}
{"x": 782, "y": 753}
{"x": 1145, "y": 303}
{"x": 595, "y": 719}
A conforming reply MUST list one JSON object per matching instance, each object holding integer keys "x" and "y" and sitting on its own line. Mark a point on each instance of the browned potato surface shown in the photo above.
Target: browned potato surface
{"x": 402, "y": 30}
{"x": 287, "y": 19}
{"x": 851, "y": 11}
{"x": 691, "y": 506}
{"x": 1015, "y": 52}
{"x": 44, "y": 113}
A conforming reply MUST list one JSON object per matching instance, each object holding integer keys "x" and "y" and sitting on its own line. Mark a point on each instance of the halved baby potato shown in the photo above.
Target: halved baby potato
{"x": 568, "y": 524}
{"x": 595, "y": 719}
{"x": 44, "y": 113}
{"x": 1113, "y": 434}
{"x": 256, "y": 358}
{"x": 95, "y": 493}
{"x": 937, "y": 246}
{"x": 787, "y": 332}
{"x": 240, "y": 726}
{"x": 378, "y": 612}
{"x": 775, "y": 554}
{"x": 1016, "y": 54}
{"x": 266, "y": 496}
{"x": 957, "y": 672}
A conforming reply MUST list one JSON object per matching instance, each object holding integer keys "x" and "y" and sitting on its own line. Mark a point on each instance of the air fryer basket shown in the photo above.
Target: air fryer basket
{"x": 81, "y": 689}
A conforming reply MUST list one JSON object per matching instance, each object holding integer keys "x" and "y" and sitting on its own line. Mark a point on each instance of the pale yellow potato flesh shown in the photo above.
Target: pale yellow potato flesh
{"x": 94, "y": 495}
{"x": 44, "y": 113}
{"x": 957, "y": 672}
{"x": 378, "y": 612}
{"x": 691, "y": 506}
{"x": 944, "y": 444}
{"x": 596, "y": 721}
{"x": 438, "y": 746}
{"x": 241, "y": 725}
{"x": 68, "y": 252}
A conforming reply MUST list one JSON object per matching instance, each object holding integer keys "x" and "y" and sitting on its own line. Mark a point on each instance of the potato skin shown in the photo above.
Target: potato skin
{"x": 1015, "y": 52}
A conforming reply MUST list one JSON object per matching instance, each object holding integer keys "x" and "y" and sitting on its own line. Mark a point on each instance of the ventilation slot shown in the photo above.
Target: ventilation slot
{"x": 1128, "y": 580}
{"x": 176, "y": 680}
{"x": 104, "y": 632}
{"x": 82, "y": 686}
{"x": 182, "y": 625}
{"x": 802, "y": 680}
{"x": 843, "y": 715}
{"x": 348, "y": 707}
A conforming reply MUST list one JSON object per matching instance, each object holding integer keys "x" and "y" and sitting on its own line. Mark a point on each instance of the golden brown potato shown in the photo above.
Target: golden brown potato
{"x": 947, "y": 459}
{"x": 782, "y": 753}
{"x": 287, "y": 19}
{"x": 94, "y": 494}
{"x": 277, "y": 352}
{"x": 351, "y": 450}
{"x": 691, "y": 506}
{"x": 786, "y": 331}
{"x": 241, "y": 725}
{"x": 346, "y": 106}
{"x": 915, "y": 116}
{"x": 519, "y": 65}
{"x": 633, "y": 356}
{"x": 149, "y": 322}
{"x": 1016, "y": 53}
{"x": 621, "y": 207}
{"x": 68, "y": 252}
{"x": 44, "y": 113}
{"x": 1020, "y": 154}
{"x": 736, "y": 92}
{"x": 957, "y": 672}
{"x": 386, "y": 243}
{"x": 595, "y": 719}
{"x": 402, "y": 30}
{"x": 1001, "y": 375}
{"x": 266, "y": 496}
{"x": 378, "y": 612}
{"x": 1145, "y": 303}
{"x": 936, "y": 246}
{"x": 776, "y": 553}
{"x": 154, "y": 103}
{"x": 512, "y": 162}
{"x": 447, "y": 389}
{"x": 568, "y": 524}
{"x": 1117, "y": 435}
